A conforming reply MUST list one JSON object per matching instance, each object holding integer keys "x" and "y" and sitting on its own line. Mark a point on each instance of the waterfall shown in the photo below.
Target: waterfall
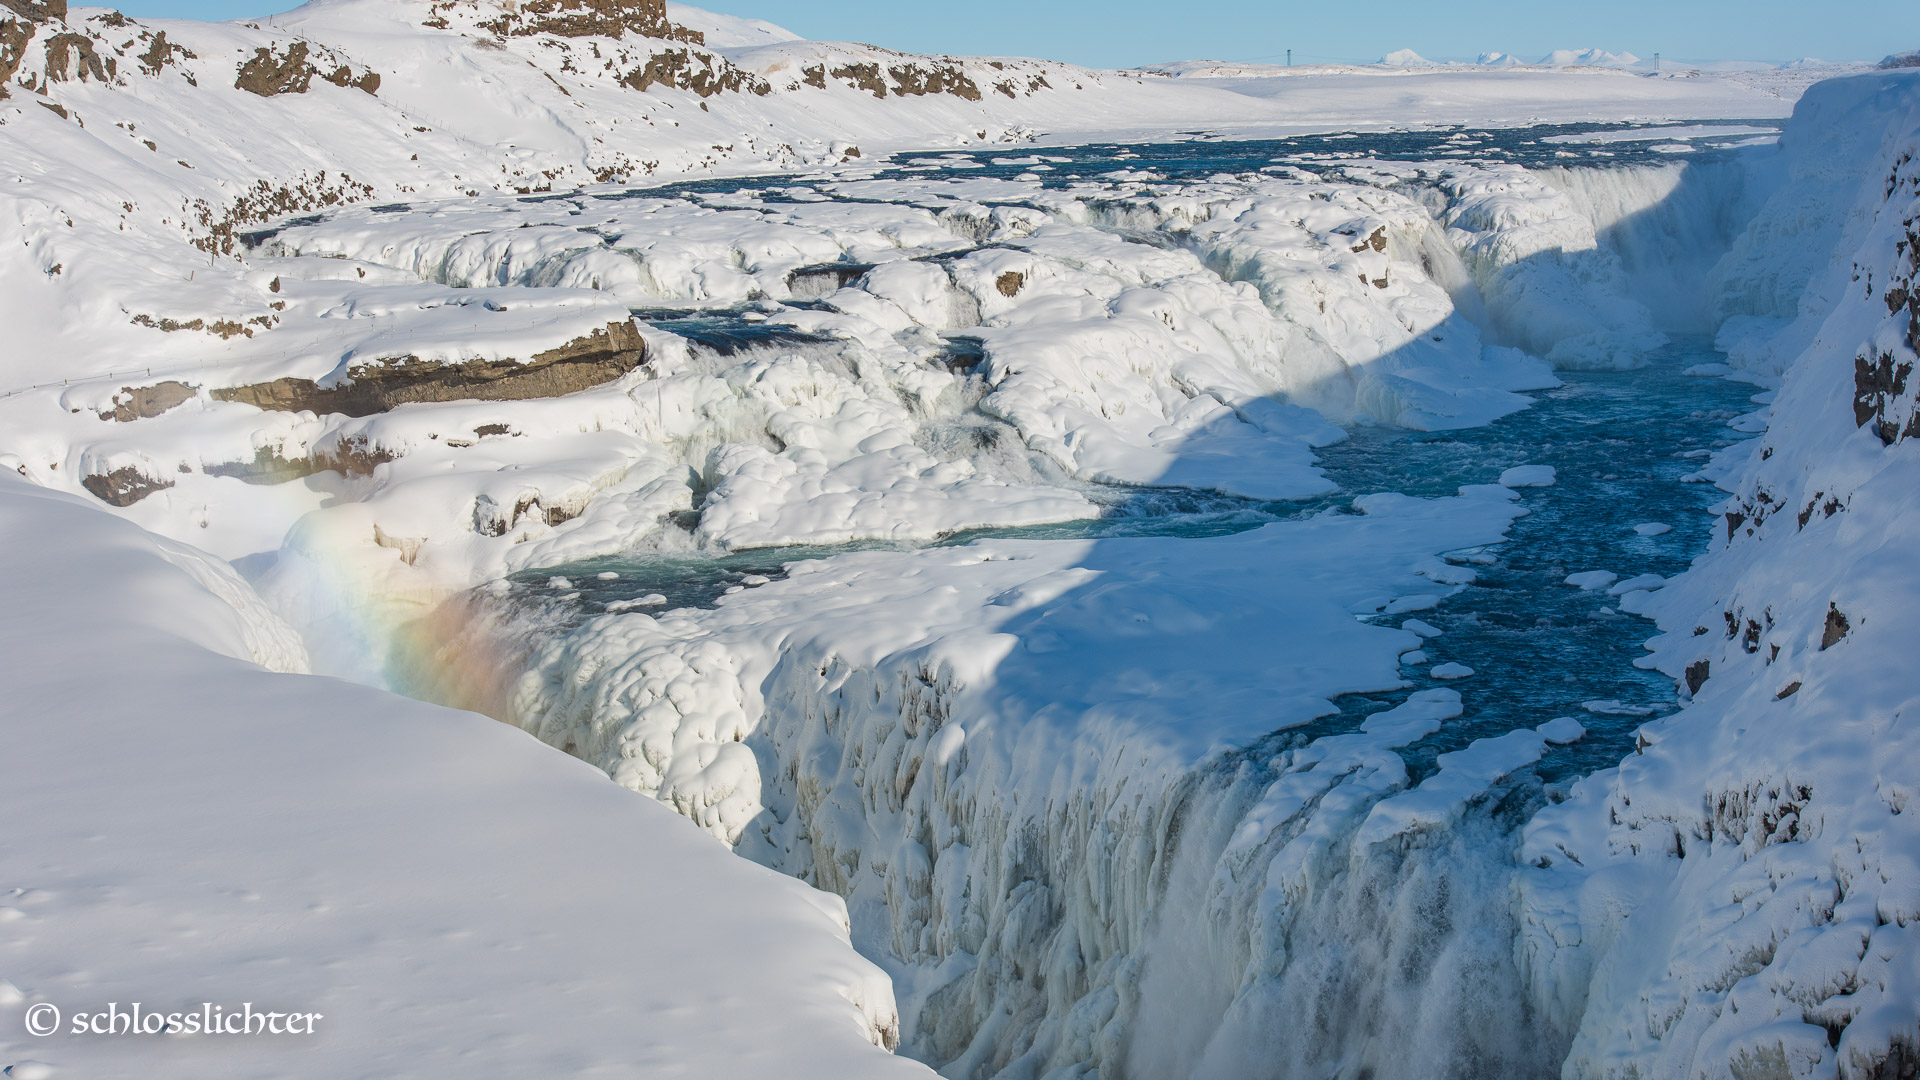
{"x": 1668, "y": 225}
{"x": 1056, "y": 899}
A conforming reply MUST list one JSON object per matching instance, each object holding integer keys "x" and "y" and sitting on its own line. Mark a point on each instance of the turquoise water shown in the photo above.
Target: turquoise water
{"x": 1204, "y": 154}
{"x": 1622, "y": 443}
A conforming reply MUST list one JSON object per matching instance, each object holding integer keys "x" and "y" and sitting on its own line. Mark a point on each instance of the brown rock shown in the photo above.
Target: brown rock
{"x": 600, "y": 357}
{"x": 41, "y": 11}
{"x": 1010, "y": 283}
{"x": 141, "y": 402}
{"x": 1836, "y": 628}
{"x": 123, "y": 486}
{"x": 268, "y": 74}
{"x": 14, "y": 36}
{"x": 704, "y": 73}
{"x": 592, "y": 18}
{"x": 343, "y": 76}
{"x": 61, "y": 51}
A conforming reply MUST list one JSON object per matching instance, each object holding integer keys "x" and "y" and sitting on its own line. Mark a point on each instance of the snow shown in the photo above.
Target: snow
{"x": 336, "y": 849}
{"x": 1751, "y": 869}
{"x": 1639, "y": 582}
{"x": 1526, "y": 476}
{"x": 1562, "y": 730}
{"x": 1038, "y": 777}
{"x": 1666, "y": 133}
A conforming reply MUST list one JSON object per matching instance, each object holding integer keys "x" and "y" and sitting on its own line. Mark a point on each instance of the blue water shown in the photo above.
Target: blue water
{"x": 1622, "y": 443}
{"x": 1205, "y": 154}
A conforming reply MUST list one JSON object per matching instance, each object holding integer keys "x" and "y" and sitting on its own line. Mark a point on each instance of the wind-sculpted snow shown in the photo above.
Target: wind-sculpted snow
{"x": 1739, "y": 897}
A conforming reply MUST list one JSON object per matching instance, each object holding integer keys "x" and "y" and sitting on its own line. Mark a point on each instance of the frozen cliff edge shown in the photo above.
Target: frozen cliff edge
{"x": 189, "y": 826}
{"x": 1742, "y": 896}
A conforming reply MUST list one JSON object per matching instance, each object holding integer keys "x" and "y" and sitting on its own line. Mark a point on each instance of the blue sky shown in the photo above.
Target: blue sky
{"x": 1118, "y": 33}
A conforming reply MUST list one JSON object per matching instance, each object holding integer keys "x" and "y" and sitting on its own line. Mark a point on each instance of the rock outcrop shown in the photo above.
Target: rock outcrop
{"x": 43, "y": 11}
{"x": 123, "y": 486}
{"x": 269, "y": 73}
{"x": 592, "y": 18}
{"x": 600, "y": 357}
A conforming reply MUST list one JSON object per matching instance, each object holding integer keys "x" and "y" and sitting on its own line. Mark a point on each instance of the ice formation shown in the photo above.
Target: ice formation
{"x": 1071, "y": 791}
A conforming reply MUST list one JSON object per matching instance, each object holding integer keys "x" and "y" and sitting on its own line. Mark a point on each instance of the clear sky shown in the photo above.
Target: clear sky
{"x": 1122, "y": 33}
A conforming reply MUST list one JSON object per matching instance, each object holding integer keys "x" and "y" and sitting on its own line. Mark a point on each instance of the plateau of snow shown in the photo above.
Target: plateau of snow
{"x": 1067, "y": 792}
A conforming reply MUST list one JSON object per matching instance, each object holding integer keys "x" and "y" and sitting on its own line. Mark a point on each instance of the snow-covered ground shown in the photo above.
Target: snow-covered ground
{"x": 192, "y": 820}
{"x": 372, "y": 341}
{"x": 1744, "y": 892}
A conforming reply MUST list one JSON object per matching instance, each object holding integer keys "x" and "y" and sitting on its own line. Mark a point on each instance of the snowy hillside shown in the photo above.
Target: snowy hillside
{"x": 1746, "y": 888}
{"x": 1041, "y": 510}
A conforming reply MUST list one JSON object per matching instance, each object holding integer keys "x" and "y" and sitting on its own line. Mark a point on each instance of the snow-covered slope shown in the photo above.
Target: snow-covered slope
{"x": 1742, "y": 896}
{"x": 371, "y": 339}
{"x": 187, "y": 826}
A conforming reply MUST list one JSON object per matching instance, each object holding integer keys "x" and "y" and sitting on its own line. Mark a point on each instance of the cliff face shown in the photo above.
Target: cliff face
{"x": 1742, "y": 897}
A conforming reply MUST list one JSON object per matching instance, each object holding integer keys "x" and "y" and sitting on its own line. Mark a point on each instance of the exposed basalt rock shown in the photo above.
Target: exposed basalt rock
{"x": 265, "y": 202}
{"x": 910, "y": 79}
{"x": 64, "y": 49}
{"x": 592, "y": 18}
{"x": 696, "y": 70}
{"x": 220, "y": 328}
{"x": 268, "y": 74}
{"x": 343, "y": 76}
{"x": 123, "y": 486}
{"x": 1697, "y": 673}
{"x": 1880, "y": 398}
{"x": 1377, "y": 241}
{"x": 1837, "y": 628}
{"x": 600, "y": 357}
{"x": 14, "y": 36}
{"x": 40, "y": 11}
{"x": 159, "y": 54}
{"x": 140, "y": 402}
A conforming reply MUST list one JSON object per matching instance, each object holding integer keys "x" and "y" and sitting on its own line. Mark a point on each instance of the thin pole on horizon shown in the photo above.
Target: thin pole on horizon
{"x": 1289, "y": 57}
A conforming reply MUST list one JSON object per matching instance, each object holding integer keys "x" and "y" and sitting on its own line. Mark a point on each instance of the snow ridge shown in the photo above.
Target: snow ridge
{"x": 1743, "y": 893}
